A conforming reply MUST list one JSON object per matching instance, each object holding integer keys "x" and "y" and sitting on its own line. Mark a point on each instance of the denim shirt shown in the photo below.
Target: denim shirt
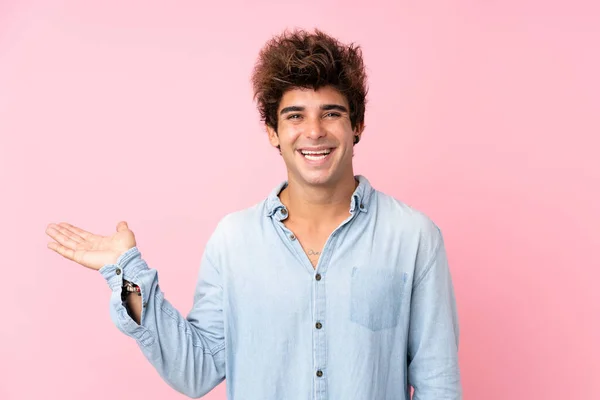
{"x": 376, "y": 317}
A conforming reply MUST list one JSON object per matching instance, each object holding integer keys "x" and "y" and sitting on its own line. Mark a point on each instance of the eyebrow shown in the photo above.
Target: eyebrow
{"x": 324, "y": 107}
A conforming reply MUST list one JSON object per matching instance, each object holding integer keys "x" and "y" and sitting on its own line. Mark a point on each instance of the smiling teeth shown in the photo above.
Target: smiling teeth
{"x": 315, "y": 155}
{"x": 305, "y": 152}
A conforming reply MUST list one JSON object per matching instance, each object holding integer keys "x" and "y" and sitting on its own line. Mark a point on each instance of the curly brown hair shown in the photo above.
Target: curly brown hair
{"x": 300, "y": 59}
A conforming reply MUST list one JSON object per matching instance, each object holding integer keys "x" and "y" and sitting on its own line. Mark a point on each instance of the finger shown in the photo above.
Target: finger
{"x": 71, "y": 234}
{"x": 84, "y": 234}
{"x": 55, "y": 232}
{"x": 122, "y": 226}
{"x": 62, "y": 250}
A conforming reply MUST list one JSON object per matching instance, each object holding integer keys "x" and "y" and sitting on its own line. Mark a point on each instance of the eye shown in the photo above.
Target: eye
{"x": 294, "y": 116}
{"x": 332, "y": 114}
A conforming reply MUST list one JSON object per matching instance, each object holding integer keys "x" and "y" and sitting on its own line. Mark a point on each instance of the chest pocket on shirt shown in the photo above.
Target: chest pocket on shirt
{"x": 376, "y": 297}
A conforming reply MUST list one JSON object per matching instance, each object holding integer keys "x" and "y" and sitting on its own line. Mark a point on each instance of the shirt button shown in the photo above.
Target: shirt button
{"x": 283, "y": 211}
{"x": 318, "y": 277}
{"x": 292, "y": 237}
{"x": 319, "y": 373}
{"x": 145, "y": 304}
{"x": 318, "y": 325}
{"x": 118, "y": 271}
{"x": 362, "y": 206}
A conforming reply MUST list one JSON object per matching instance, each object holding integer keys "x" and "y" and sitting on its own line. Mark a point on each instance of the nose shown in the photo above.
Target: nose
{"x": 314, "y": 128}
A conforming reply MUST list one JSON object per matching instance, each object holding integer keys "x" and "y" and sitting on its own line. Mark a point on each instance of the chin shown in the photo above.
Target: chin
{"x": 316, "y": 175}
{"x": 318, "y": 179}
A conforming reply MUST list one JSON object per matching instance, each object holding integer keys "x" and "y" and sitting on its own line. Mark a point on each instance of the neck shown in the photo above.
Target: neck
{"x": 318, "y": 205}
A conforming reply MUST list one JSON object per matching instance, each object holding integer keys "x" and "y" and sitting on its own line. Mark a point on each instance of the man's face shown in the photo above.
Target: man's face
{"x": 315, "y": 135}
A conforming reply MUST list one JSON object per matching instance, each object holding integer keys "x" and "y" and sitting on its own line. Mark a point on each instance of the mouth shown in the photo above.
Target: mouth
{"x": 316, "y": 155}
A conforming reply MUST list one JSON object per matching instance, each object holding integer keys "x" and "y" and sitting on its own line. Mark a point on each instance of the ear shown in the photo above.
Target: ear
{"x": 273, "y": 137}
{"x": 360, "y": 127}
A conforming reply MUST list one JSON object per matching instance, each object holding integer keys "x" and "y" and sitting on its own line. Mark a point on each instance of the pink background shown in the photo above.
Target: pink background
{"x": 484, "y": 115}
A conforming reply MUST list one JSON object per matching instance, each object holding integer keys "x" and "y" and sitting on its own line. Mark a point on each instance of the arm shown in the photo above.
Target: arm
{"x": 188, "y": 353}
{"x": 433, "y": 368}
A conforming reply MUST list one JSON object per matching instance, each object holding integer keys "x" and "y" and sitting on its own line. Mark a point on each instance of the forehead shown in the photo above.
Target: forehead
{"x": 309, "y": 97}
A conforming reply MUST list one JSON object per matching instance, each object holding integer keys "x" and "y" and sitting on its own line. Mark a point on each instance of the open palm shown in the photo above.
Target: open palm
{"x": 90, "y": 250}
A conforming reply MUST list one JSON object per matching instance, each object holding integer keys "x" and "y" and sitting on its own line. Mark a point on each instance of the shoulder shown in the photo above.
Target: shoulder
{"x": 414, "y": 232}
{"x": 401, "y": 216}
{"x": 241, "y": 223}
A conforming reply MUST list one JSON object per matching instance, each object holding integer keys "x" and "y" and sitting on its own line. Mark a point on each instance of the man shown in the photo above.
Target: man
{"x": 327, "y": 289}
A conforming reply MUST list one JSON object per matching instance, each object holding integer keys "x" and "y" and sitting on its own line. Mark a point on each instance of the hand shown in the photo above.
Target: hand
{"x": 85, "y": 248}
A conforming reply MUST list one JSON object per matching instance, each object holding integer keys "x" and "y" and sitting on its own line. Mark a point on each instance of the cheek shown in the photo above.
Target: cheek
{"x": 289, "y": 135}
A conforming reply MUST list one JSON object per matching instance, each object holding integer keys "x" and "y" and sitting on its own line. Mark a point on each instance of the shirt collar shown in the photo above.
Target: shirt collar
{"x": 360, "y": 198}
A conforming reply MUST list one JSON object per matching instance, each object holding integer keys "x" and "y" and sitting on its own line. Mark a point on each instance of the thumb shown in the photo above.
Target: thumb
{"x": 122, "y": 226}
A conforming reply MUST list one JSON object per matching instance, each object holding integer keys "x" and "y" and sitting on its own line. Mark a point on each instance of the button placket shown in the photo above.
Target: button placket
{"x": 319, "y": 299}
{"x": 319, "y": 338}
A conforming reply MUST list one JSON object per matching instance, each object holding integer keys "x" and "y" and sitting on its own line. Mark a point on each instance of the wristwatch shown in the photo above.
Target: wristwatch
{"x": 129, "y": 288}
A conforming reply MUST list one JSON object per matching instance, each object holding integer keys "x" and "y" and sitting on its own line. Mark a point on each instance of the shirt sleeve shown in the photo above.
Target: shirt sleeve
{"x": 188, "y": 353}
{"x": 433, "y": 369}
